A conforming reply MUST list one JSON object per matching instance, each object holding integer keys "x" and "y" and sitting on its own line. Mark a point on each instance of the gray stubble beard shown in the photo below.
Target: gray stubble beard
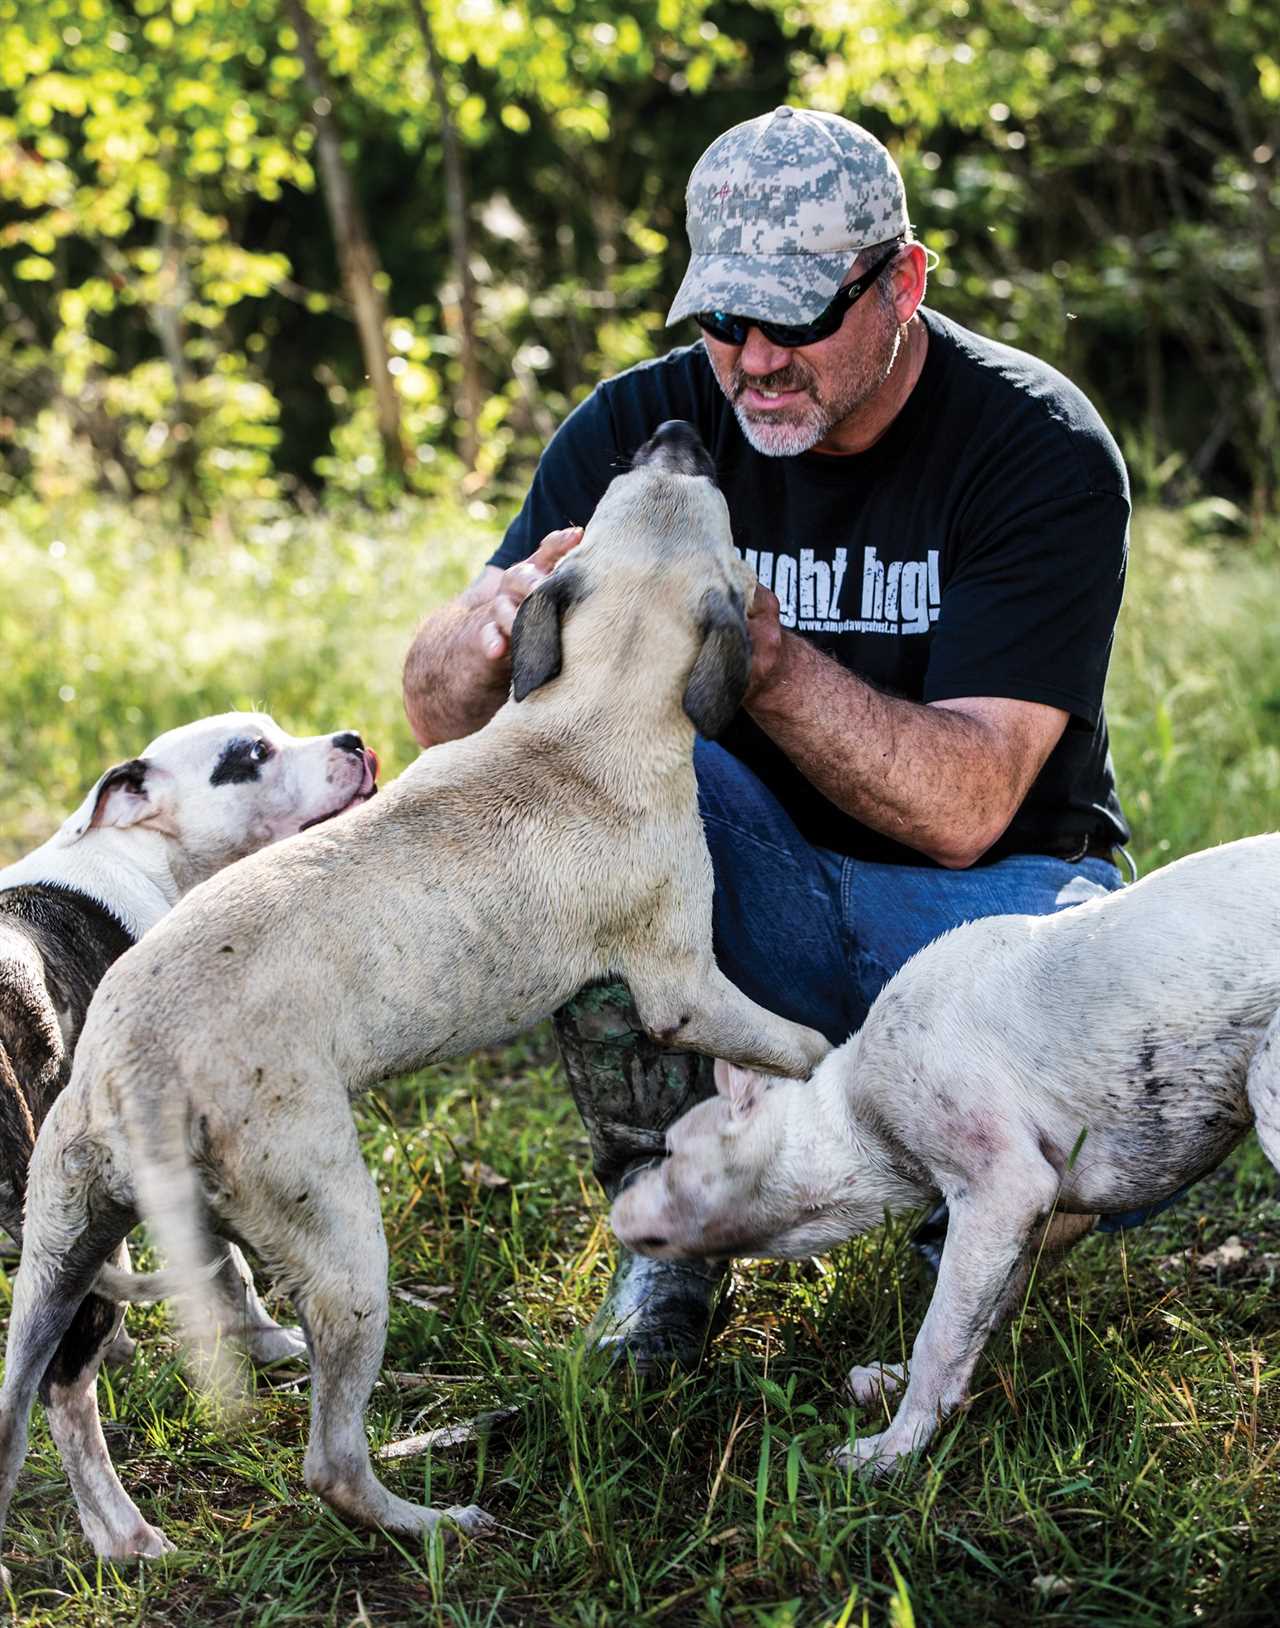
{"x": 789, "y": 436}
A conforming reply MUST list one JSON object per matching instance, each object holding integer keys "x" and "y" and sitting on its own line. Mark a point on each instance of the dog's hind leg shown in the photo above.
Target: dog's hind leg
{"x": 34, "y": 1332}
{"x": 57, "y": 1333}
{"x": 333, "y": 1255}
{"x": 695, "y": 1007}
{"x": 111, "y": 1520}
{"x": 1263, "y": 1088}
{"x": 121, "y": 1348}
{"x": 37, "y": 1323}
{"x": 248, "y": 1320}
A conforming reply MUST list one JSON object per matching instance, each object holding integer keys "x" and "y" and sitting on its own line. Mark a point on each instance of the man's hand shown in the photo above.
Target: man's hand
{"x": 515, "y": 585}
{"x": 457, "y": 671}
{"x": 765, "y": 632}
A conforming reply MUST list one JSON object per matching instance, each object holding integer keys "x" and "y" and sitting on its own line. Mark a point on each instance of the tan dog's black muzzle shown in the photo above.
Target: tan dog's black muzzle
{"x": 677, "y": 446}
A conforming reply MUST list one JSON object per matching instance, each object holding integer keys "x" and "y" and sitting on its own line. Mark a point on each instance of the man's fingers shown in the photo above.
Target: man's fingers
{"x": 555, "y": 545}
{"x": 519, "y": 581}
{"x": 504, "y": 608}
{"x": 515, "y": 586}
{"x": 493, "y": 641}
{"x": 495, "y": 635}
{"x": 764, "y": 602}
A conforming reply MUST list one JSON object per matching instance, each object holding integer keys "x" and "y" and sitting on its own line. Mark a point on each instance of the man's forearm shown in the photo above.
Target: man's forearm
{"x": 450, "y": 689}
{"x": 936, "y": 779}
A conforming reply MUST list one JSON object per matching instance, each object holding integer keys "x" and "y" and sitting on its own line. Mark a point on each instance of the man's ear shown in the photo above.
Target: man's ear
{"x": 742, "y": 1088}
{"x": 535, "y": 633}
{"x": 120, "y": 798}
{"x": 718, "y": 680}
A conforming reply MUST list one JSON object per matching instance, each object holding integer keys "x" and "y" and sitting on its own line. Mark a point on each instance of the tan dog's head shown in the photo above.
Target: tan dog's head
{"x": 654, "y": 593}
{"x": 758, "y": 1170}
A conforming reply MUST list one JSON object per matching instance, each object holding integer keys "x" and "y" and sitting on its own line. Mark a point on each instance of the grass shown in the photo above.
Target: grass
{"x": 1118, "y": 1464}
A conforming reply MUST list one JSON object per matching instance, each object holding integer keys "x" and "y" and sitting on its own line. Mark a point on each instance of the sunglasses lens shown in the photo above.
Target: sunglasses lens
{"x": 789, "y": 335}
{"x": 733, "y": 330}
{"x": 722, "y": 325}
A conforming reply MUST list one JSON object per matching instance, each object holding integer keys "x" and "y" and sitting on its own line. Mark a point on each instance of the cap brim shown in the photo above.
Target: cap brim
{"x": 790, "y": 288}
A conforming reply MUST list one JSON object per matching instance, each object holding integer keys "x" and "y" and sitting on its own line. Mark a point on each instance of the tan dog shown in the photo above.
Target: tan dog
{"x": 495, "y": 878}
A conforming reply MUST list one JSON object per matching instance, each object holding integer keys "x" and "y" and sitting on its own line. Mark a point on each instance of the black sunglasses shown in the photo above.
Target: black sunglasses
{"x": 732, "y": 330}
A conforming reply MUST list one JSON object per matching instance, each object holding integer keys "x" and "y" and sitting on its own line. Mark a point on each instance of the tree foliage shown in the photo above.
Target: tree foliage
{"x": 1099, "y": 179}
{"x": 1103, "y": 177}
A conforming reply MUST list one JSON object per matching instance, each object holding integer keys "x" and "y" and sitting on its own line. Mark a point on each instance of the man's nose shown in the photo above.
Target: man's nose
{"x": 760, "y": 355}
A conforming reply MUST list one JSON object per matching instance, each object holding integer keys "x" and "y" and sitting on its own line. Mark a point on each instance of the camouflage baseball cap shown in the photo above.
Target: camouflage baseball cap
{"x": 778, "y": 208}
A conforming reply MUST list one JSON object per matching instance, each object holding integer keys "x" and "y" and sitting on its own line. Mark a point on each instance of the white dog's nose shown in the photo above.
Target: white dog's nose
{"x": 636, "y": 1222}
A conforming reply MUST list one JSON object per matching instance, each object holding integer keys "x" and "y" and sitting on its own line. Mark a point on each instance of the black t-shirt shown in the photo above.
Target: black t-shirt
{"x": 977, "y": 549}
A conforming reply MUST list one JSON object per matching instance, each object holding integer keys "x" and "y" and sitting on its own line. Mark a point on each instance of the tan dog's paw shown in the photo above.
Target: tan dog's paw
{"x": 816, "y": 1047}
{"x": 139, "y": 1542}
{"x": 471, "y": 1519}
{"x": 150, "y": 1543}
{"x": 120, "y": 1350}
{"x": 268, "y": 1346}
{"x": 875, "y": 1382}
{"x": 802, "y": 1050}
{"x": 870, "y": 1456}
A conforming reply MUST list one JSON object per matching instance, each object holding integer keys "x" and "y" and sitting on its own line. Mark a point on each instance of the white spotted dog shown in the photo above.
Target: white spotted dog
{"x": 1021, "y": 1067}
{"x": 151, "y": 829}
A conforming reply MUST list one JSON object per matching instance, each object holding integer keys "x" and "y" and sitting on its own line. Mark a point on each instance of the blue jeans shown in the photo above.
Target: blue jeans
{"x": 815, "y": 936}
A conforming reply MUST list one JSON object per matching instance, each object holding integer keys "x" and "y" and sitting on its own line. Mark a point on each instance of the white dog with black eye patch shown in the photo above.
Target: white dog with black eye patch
{"x": 1021, "y": 1067}
{"x": 150, "y": 829}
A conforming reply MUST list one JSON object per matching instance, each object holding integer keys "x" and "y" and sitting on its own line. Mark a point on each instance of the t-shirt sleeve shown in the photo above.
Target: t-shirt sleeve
{"x": 1029, "y": 611}
{"x": 576, "y": 466}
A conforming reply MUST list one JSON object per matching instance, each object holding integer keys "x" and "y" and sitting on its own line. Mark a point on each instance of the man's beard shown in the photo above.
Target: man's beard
{"x": 788, "y": 431}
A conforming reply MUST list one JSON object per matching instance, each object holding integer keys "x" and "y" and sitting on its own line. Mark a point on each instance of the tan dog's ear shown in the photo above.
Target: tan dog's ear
{"x": 719, "y": 677}
{"x": 535, "y": 633}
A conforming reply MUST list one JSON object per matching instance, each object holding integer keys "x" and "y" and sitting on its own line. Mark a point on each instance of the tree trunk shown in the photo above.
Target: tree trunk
{"x": 357, "y": 257}
{"x": 166, "y": 320}
{"x": 457, "y": 212}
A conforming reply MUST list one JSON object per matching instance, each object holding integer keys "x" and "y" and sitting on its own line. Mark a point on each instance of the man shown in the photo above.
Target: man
{"x": 939, "y": 527}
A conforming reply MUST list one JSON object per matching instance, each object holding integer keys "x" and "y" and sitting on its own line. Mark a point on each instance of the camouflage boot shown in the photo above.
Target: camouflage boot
{"x": 628, "y": 1090}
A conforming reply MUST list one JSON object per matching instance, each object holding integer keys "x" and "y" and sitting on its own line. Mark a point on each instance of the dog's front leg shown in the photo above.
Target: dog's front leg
{"x": 696, "y": 1008}
{"x": 984, "y": 1269}
{"x": 872, "y": 1383}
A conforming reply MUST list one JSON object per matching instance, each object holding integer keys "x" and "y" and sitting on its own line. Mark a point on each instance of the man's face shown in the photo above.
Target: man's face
{"x": 789, "y": 401}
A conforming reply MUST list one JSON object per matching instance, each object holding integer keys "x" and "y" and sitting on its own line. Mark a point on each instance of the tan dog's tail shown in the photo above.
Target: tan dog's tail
{"x": 157, "y": 1119}
{"x": 144, "y": 1288}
